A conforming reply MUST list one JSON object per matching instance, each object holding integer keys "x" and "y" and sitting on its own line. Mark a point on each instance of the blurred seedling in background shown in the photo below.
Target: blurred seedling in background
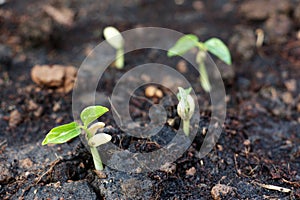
{"x": 185, "y": 108}
{"x": 213, "y": 45}
{"x": 115, "y": 39}
{"x": 64, "y": 133}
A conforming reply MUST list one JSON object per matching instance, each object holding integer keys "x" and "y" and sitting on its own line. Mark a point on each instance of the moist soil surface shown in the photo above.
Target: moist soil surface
{"x": 257, "y": 155}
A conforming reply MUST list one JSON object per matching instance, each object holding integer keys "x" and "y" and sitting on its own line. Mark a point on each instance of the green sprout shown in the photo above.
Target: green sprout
{"x": 64, "y": 133}
{"x": 213, "y": 45}
{"x": 115, "y": 39}
{"x": 185, "y": 108}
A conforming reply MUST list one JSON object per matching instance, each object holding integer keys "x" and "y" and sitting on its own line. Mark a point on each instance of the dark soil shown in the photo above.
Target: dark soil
{"x": 260, "y": 141}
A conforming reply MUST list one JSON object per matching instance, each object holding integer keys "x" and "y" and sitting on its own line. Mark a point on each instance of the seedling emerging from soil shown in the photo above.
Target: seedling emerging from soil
{"x": 115, "y": 39}
{"x": 64, "y": 133}
{"x": 213, "y": 45}
{"x": 185, "y": 108}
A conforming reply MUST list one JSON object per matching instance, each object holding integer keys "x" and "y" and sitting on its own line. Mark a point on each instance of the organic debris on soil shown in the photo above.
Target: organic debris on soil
{"x": 258, "y": 153}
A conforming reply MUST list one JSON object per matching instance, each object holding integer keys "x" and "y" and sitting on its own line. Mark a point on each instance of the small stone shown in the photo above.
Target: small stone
{"x": 27, "y": 174}
{"x": 220, "y": 191}
{"x": 59, "y": 120}
{"x": 15, "y": 118}
{"x": 150, "y": 91}
{"x": 182, "y": 66}
{"x": 291, "y": 85}
{"x": 191, "y": 171}
{"x": 50, "y": 76}
{"x": 56, "y": 107}
{"x": 59, "y": 77}
{"x": 57, "y": 184}
{"x": 26, "y": 163}
{"x": 171, "y": 122}
{"x": 220, "y": 147}
{"x": 32, "y": 105}
{"x": 138, "y": 170}
{"x": 159, "y": 93}
{"x": 247, "y": 142}
{"x": 287, "y": 98}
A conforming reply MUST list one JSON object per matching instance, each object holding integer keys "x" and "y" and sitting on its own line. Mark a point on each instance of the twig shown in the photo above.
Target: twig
{"x": 40, "y": 177}
{"x": 273, "y": 187}
{"x": 48, "y": 171}
{"x": 115, "y": 110}
{"x": 295, "y": 183}
{"x": 239, "y": 172}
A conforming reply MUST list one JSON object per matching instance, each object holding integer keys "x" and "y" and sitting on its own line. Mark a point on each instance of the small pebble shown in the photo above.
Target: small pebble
{"x": 191, "y": 171}
{"x": 287, "y": 98}
{"x": 220, "y": 147}
{"x": 221, "y": 191}
{"x": 182, "y": 66}
{"x": 247, "y": 142}
{"x": 15, "y": 118}
{"x": 32, "y": 105}
{"x": 291, "y": 85}
{"x": 159, "y": 93}
{"x": 56, "y": 107}
{"x": 150, "y": 91}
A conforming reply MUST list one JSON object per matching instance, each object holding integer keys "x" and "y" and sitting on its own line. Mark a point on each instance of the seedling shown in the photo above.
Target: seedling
{"x": 115, "y": 39}
{"x": 185, "y": 108}
{"x": 213, "y": 45}
{"x": 64, "y": 133}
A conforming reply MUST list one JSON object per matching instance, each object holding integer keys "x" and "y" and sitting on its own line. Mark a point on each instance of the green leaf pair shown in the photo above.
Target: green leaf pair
{"x": 213, "y": 45}
{"x": 64, "y": 133}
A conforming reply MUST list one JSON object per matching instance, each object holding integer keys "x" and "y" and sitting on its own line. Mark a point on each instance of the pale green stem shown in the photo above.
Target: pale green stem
{"x": 94, "y": 151}
{"x": 204, "y": 80}
{"x": 186, "y": 127}
{"x": 120, "y": 58}
{"x": 96, "y": 158}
